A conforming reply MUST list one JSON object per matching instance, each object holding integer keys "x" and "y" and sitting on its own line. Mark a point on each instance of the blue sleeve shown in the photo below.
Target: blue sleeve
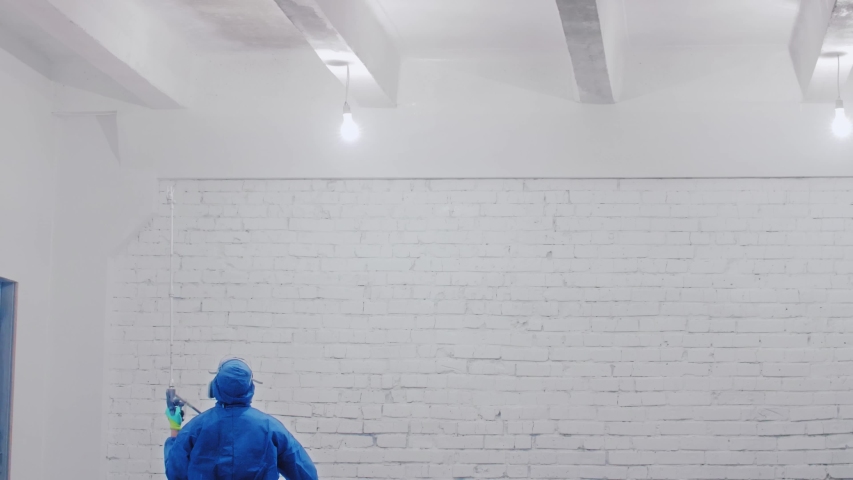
{"x": 293, "y": 461}
{"x": 176, "y": 453}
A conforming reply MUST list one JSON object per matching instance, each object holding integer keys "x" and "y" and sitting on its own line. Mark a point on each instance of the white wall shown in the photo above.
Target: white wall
{"x": 99, "y": 205}
{"x": 535, "y": 329}
{"x": 27, "y": 181}
{"x": 66, "y": 205}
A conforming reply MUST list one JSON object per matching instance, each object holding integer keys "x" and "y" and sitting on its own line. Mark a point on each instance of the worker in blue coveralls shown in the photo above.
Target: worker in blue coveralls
{"x": 232, "y": 440}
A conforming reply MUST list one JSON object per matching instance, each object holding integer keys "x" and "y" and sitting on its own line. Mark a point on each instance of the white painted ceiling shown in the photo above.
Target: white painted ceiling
{"x": 16, "y": 28}
{"x": 235, "y": 25}
{"x": 710, "y": 22}
{"x": 718, "y": 40}
{"x": 436, "y": 28}
{"x": 439, "y": 28}
{"x": 37, "y": 48}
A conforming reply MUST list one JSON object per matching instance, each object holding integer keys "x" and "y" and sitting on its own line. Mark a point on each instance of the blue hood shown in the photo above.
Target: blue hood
{"x": 233, "y": 384}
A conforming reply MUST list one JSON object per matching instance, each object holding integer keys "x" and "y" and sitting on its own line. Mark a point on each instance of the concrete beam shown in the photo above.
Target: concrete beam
{"x": 614, "y": 33}
{"x": 349, "y": 33}
{"x": 96, "y": 33}
{"x": 822, "y": 32}
{"x": 596, "y": 48}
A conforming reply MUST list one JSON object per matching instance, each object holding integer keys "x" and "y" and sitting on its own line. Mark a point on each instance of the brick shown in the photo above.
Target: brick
{"x": 541, "y": 328}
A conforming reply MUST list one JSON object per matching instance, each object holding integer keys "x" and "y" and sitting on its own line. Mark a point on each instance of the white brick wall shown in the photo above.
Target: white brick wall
{"x": 668, "y": 329}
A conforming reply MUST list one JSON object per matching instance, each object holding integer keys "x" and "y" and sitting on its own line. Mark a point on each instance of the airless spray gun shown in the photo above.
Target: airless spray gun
{"x": 174, "y": 400}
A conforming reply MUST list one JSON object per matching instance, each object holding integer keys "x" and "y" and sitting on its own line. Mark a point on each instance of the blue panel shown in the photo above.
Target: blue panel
{"x": 7, "y": 345}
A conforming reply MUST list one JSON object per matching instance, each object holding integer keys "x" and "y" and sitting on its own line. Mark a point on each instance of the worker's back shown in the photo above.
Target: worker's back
{"x": 234, "y": 441}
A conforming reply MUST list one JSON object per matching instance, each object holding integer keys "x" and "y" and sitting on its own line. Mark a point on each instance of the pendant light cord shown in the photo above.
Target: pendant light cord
{"x": 346, "y": 95}
{"x": 838, "y": 76}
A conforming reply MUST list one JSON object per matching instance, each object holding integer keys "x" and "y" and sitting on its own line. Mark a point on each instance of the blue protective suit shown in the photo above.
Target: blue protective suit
{"x": 233, "y": 441}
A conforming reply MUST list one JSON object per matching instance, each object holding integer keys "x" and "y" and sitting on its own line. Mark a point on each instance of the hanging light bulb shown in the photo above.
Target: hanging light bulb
{"x": 349, "y": 129}
{"x": 841, "y": 125}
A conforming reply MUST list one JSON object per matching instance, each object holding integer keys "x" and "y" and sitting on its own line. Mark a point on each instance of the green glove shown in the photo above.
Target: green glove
{"x": 176, "y": 417}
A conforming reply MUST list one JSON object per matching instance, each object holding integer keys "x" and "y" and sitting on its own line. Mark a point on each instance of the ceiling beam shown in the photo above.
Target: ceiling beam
{"x": 595, "y": 36}
{"x": 97, "y": 35}
{"x": 348, "y": 33}
{"x": 821, "y": 40}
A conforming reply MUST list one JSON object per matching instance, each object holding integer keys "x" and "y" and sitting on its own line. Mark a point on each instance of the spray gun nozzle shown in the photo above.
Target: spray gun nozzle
{"x": 174, "y": 400}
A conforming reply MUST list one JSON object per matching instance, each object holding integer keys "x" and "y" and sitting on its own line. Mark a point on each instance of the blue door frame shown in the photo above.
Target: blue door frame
{"x": 7, "y": 356}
